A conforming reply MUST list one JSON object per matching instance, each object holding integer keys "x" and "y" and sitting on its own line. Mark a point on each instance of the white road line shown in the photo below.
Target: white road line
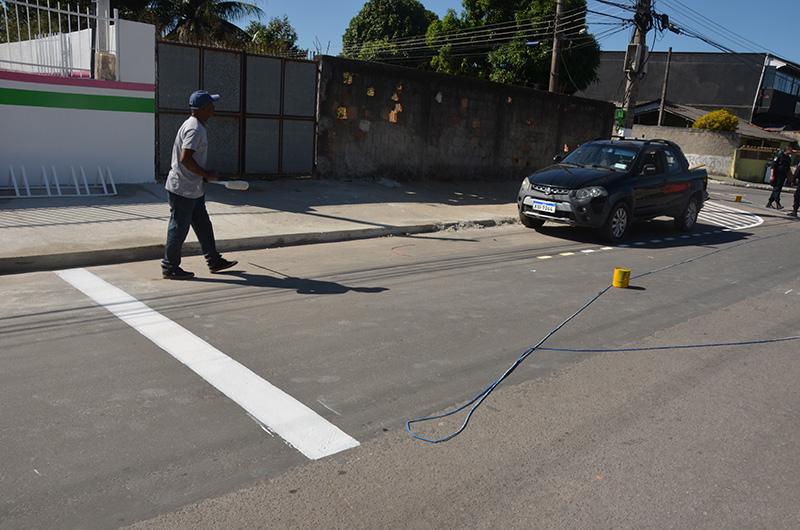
{"x": 301, "y": 427}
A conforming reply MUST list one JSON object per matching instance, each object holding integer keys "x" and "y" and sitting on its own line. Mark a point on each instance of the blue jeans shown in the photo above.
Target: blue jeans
{"x": 185, "y": 213}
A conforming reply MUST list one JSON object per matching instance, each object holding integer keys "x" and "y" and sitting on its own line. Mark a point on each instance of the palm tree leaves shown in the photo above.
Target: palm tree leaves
{"x": 198, "y": 21}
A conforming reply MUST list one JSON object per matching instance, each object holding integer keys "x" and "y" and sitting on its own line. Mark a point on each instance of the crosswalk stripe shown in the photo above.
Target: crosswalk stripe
{"x": 728, "y": 217}
{"x": 298, "y": 425}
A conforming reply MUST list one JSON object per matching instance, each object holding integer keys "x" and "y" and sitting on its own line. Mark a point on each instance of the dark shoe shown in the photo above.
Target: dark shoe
{"x": 177, "y": 274}
{"x": 778, "y": 206}
{"x": 793, "y": 213}
{"x": 769, "y": 205}
{"x": 222, "y": 264}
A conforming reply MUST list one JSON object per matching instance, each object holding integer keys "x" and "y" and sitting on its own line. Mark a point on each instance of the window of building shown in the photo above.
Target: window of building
{"x": 782, "y": 83}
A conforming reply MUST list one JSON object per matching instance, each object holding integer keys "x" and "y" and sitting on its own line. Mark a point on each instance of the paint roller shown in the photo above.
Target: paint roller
{"x": 240, "y": 185}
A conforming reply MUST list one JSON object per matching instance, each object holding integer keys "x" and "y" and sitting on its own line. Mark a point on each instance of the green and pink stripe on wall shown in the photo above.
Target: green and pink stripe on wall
{"x": 32, "y": 90}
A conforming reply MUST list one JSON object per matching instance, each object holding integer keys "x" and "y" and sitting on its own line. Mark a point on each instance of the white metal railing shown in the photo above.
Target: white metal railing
{"x": 39, "y": 38}
{"x": 76, "y": 183}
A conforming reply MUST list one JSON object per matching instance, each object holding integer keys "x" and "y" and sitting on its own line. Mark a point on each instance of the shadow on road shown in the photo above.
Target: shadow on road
{"x": 656, "y": 233}
{"x": 300, "y": 285}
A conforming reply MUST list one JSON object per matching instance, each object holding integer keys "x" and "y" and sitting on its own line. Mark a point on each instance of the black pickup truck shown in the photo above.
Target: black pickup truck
{"x": 609, "y": 183}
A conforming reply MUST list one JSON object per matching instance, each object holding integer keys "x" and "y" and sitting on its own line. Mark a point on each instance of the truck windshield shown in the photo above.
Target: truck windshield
{"x": 608, "y": 156}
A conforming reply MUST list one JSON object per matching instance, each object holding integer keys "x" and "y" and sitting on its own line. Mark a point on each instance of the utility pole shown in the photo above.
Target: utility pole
{"x": 554, "y": 63}
{"x": 664, "y": 89}
{"x": 634, "y": 60}
{"x": 102, "y": 11}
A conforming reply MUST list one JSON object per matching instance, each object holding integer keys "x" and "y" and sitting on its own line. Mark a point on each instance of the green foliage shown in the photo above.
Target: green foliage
{"x": 278, "y": 35}
{"x": 373, "y": 33}
{"x": 719, "y": 120}
{"x": 492, "y": 39}
{"x": 381, "y": 50}
{"x": 443, "y": 35}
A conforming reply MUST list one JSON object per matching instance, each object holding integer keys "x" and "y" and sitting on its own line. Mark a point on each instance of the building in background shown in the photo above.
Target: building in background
{"x": 674, "y": 115}
{"x": 757, "y": 87}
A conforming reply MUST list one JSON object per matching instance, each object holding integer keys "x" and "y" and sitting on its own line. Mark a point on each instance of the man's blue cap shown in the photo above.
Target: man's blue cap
{"x": 200, "y": 98}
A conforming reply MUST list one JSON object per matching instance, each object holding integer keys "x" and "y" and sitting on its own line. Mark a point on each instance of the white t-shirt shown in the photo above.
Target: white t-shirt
{"x": 181, "y": 181}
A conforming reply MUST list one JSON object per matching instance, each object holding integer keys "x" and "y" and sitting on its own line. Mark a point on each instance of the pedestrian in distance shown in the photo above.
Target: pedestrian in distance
{"x": 796, "y": 204}
{"x": 781, "y": 168}
{"x": 793, "y": 180}
{"x": 184, "y": 187}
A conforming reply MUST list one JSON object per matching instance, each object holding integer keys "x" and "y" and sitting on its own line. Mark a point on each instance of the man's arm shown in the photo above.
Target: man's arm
{"x": 188, "y": 161}
{"x": 776, "y": 165}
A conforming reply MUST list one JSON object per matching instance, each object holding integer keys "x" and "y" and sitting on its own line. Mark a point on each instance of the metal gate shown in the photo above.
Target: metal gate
{"x": 265, "y": 121}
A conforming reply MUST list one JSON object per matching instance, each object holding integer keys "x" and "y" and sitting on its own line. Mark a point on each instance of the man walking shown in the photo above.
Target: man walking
{"x": 780, "y": 170}
{"x": 184, "y": 185}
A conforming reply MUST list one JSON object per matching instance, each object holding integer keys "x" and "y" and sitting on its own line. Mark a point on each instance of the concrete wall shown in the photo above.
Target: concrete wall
{"x": 714, "y": 149}
{"x": 64, "y": 122}
{"x": 380, "y": 121}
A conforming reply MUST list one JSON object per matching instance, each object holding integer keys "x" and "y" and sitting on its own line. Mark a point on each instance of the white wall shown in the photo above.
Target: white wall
{"x": 71, "y": 137}
{"x": 62, "y": 54}
{"x": 136, "y": 59}
{"x": 63, "y": 122}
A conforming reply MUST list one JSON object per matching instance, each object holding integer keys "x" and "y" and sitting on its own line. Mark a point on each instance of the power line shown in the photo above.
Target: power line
{"x": 685, "y": 25}
{"x": 470, "y": 52}
{"x": 495, "y": 34}
{"x": 716, "y": 28}
{"x": 455, "y": 37}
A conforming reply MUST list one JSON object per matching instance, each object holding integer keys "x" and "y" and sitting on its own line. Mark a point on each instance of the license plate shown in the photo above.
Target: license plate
{"x": 541, "y": 206}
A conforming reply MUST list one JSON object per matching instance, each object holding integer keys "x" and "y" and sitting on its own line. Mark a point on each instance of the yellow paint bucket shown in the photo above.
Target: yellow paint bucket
{"x": 737, "y": 198}
{"x": 621, "y": 277}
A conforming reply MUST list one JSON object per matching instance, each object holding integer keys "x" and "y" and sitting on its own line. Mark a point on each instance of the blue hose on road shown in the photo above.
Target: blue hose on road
{"x": 477, "y": 400}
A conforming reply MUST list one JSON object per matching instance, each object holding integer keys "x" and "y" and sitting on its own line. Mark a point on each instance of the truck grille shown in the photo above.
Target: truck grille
{"x": 549, "y": 190}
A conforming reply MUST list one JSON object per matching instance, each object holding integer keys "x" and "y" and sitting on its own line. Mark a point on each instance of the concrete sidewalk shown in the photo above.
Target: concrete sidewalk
{"x": 47, "y": 233}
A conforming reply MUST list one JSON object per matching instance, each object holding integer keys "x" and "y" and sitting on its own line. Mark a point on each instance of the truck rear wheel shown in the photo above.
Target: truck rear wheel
{"x": 686, "y": 221}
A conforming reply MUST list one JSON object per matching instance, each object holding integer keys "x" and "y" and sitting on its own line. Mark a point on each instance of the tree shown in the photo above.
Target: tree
{"x": 201, "y": 21}
{"x": 719, "y": 120}
{"x": 277, "y": 36}
{"x": 510, "y": 41}
{"x": 374, "y": 33}
{"x": 134, "y": 10}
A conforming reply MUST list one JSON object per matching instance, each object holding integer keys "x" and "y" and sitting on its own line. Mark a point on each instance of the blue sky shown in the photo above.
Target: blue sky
{"x": 744, "y": 26}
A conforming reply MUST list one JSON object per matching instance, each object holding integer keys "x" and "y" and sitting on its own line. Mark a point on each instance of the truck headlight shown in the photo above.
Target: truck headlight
{"x": 526, "y": 184}
{"x": 590, "y": 193}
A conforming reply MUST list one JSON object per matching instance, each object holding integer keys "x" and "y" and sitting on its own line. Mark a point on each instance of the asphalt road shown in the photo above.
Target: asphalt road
{"x": 102, "y": 428}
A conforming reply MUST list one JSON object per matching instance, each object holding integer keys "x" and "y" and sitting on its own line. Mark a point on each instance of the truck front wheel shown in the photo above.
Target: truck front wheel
{"x": 616, "y": 227}
{"x": 530, "y": 222}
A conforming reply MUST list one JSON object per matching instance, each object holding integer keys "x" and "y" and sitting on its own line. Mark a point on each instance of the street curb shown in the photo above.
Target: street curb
{"x": 92, "y": 258}
{"x": 751, "y": 185}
